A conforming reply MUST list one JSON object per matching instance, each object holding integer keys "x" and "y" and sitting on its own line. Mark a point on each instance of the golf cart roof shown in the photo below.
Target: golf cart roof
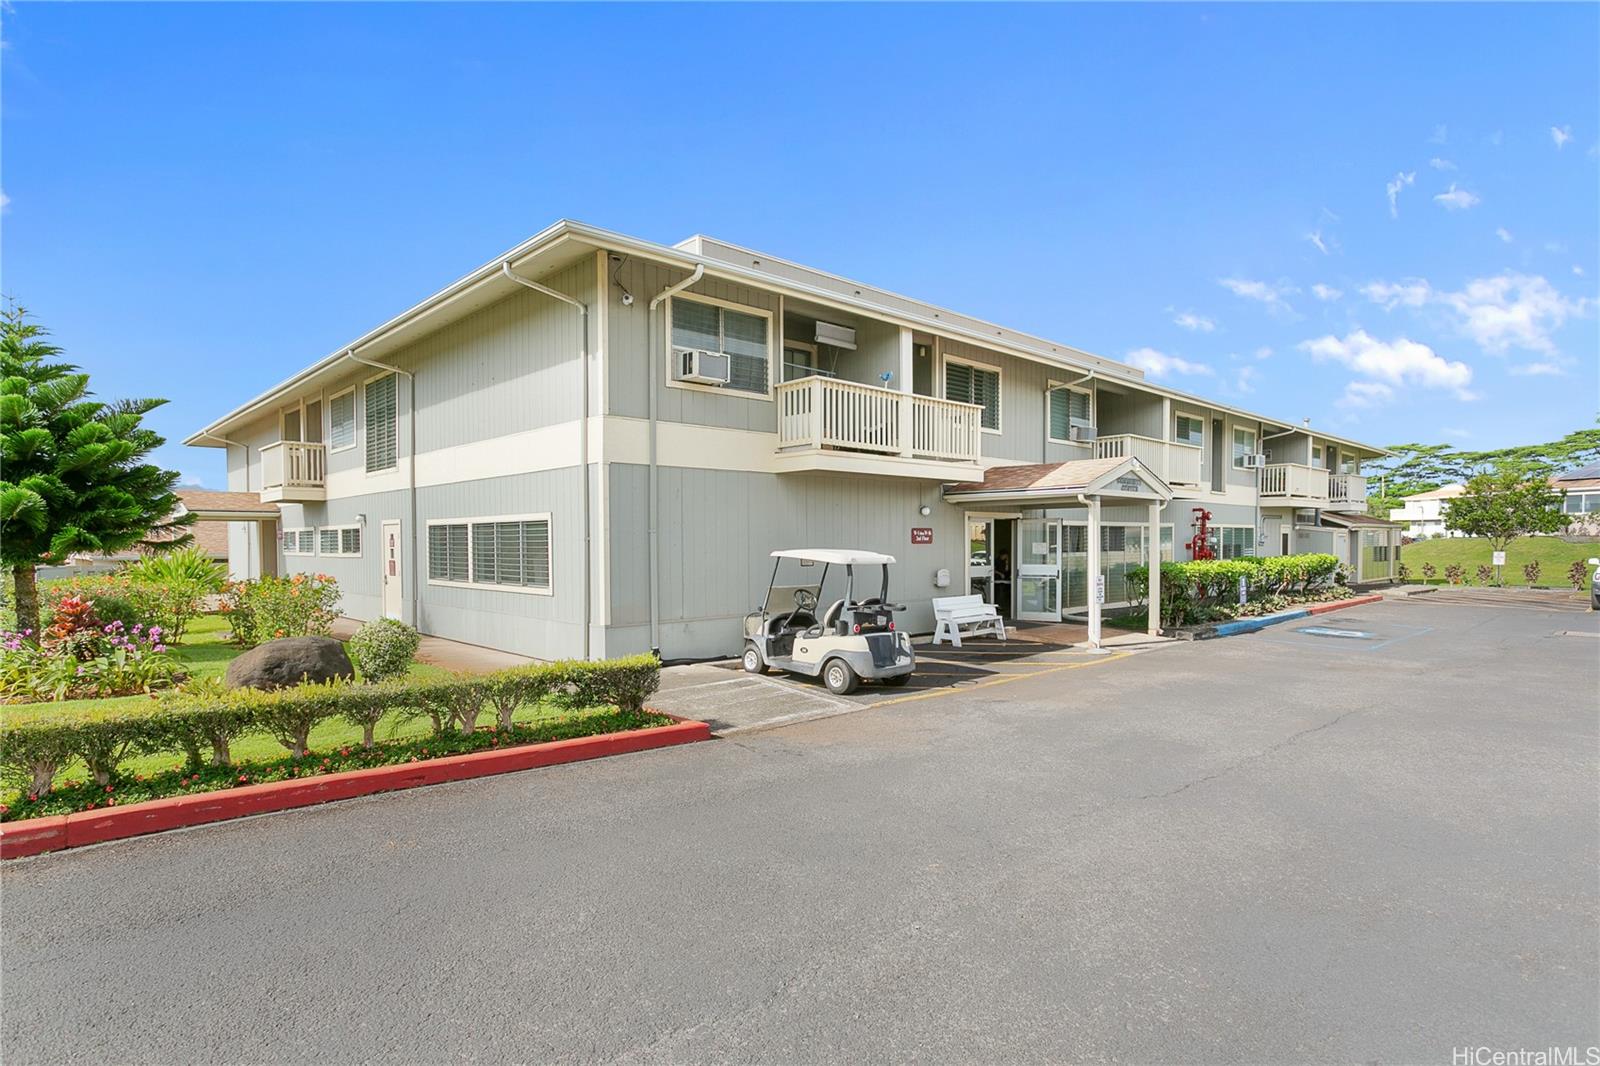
{"x": 834, "y": 556}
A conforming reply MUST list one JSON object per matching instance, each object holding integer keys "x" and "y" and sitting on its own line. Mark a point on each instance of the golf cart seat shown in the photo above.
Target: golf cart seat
{"x": 793, "y": 622}
{"x": 830, "y": 617}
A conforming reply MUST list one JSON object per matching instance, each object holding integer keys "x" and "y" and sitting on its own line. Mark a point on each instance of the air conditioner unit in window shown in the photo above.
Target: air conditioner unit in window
{"x": 1081, "y": 433}
{"x": 697, "y": 364}
{"x": 1254, "y": 462}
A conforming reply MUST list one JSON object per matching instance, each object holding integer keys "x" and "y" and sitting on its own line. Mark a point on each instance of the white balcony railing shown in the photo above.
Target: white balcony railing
{"x": 830, "y": 413}
{"x": 1294, "y": 480}
{"x": 1347, "y": 489}
{"x": 291, "y": 465}
{"x": 1174, "y": 463}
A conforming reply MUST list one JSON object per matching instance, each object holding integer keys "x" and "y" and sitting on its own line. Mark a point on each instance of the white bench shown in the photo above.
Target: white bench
{"x": 951, "y": 613}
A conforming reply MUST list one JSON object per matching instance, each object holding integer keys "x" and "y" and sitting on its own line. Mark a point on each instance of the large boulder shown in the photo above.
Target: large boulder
{"x": 289, "y": 661}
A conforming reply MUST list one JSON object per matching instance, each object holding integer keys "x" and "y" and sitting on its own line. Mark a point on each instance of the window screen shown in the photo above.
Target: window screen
{"x": 1232, "y": 542}
{"x": 342, "y": 420}
{"x": 512, "y": 553}
{"x": 383, "y": 435}
{"x": 971, "y": 384}
{"x": 328, "y": 541}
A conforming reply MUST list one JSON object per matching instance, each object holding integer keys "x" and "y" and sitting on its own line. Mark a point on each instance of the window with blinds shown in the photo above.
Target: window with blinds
{"x": 973, "y": 384}
{"x": 503, "y": 553}
{"x": 1244, "y": 443}
{"x": 1233, "y": 542}
{"x": 342, "y": 420}
{"x": 447, "y": 553}
{"x": 1187, "y": 430}
{"x": 1068, "y": 408}
{"x": 382, "y": 423}
{"x": 741, "y": 337}
{"x": 299, "y": 541}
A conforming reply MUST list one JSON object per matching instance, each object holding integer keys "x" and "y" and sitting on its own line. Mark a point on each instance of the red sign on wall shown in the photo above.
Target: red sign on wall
{"x": 922, "y": 534}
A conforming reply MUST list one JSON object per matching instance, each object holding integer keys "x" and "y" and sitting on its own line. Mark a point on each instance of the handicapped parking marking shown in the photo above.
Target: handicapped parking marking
{"x": 1380, "y": 636}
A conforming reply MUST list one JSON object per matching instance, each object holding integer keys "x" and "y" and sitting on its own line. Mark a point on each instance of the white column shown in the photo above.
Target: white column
{"x": 1153, "y": 622}
{"x": 903, "y": 379}
{"x": 1094, "y": 571}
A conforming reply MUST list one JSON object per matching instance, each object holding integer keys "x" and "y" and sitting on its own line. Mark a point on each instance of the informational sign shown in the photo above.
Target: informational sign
{"x": 1041, "y": 547}
{"x": 1100, "y": 589}
{"x": 922, "y": 534}
{"x": 1244, "y": 591}
{"x": 1499, "y": 558}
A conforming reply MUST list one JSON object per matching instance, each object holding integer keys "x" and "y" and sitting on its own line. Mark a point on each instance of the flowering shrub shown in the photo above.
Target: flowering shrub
{"x": 1530, "y": 572}
{"x": 78, "y": 658}
{"x": 1485, "y": 574}
{"x": 383, "y": 648}
{"x": 1578, "y": 574}
{"x": 1403, "y": 572}
{"x": 267, "y": 608}
{"x": 1454, "y": 574}
{"x": 172, "y": 604}
{"x": 1429, "y": 571}
{"x": 34, "y": 752}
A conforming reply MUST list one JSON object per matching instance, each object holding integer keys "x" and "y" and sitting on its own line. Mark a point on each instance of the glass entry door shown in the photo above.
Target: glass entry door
{"x": 1039, "y": 570}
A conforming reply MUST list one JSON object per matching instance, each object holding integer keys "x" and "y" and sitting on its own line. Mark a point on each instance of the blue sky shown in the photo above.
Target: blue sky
{"x": 1383, "y": 218}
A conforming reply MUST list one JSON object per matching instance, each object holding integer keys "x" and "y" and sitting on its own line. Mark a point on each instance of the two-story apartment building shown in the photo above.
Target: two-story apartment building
{"x": 591, "y": 444}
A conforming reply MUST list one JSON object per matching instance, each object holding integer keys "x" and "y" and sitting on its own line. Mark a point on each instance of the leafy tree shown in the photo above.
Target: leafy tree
{"x": 73, "y": 477}
{"x": 1413, "y": 468}
{"x": 1504, "y": 505}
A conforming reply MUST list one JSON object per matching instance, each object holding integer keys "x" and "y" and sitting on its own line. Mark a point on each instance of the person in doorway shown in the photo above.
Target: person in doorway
{"x": 1002, "y": 584}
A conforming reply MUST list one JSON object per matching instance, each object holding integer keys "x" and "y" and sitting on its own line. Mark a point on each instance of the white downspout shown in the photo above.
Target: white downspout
{"x": 411, "y": 481}
{"x": 651, "y": 357}
{"x": 583, "y": 427}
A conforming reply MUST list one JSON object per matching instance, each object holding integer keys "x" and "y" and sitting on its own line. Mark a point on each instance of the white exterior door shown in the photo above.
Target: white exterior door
{"x": 389, "y": 552}
{"x": 1039, "y": 570}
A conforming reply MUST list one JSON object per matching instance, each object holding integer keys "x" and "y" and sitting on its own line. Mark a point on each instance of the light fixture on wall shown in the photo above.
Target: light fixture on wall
{"x": 925, "y": 510}
{"x": 361, "y": 520}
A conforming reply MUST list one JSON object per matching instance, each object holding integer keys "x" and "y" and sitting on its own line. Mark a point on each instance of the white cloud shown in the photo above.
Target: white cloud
{"x": 1263, "y": 352}
{"x": 1577, "y": 270}
{"x": 5, "y": 201}
{"x": 1543, "y": 368}
{"x": 1315, "y": 237}
{"x": 1160, "y": 364}
{"x": 1264, "y": 292}
{"x": 1512, "y": 311}
{"x": 1555, "y": 247}
{"x": 1503, "y": 233}
{"x": 1326, "y": 293}
{"x": 1452, "y": 432}
{"x": 1441, "y": 164}
{"x": 1495, "y": 139}
{"x": 1393, "y": 187}
{"x": 1194, "y": 323}
{"x": 1391, "y": 364}
{"x": 1441, "y": 133}
{"x": 1560, "y": 135}
{"x": 1365, "y": 394}
{"x": 1413, "y": 292}
{"x": 1454, "y": 199}
{"x": 1244, "y": 380}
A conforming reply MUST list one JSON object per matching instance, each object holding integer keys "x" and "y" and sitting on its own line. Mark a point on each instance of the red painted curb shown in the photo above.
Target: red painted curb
{"x": 1339, "y": 605}
{"x": 32, "y": 836}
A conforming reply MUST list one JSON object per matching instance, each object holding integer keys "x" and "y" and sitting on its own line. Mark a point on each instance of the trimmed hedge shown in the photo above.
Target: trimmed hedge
{"x": 1191, "y": 590}
{"x": 35, "y": 751}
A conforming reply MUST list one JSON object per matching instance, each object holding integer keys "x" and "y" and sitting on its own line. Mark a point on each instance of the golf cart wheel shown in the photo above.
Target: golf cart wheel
{"x": 897, "y": 682}
{"x": 839, "y": 677}
{"x": 752, "y": 660}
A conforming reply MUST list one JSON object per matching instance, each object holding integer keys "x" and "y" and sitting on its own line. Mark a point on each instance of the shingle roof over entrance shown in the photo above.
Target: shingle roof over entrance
{"x": 1076, "y": 474}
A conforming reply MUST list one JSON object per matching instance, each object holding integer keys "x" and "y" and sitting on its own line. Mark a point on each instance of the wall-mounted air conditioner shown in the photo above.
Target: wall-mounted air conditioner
{"x": 1254, "y": 462}
{"x": 697, "y": 364}
{"x": 1082, "y": 433}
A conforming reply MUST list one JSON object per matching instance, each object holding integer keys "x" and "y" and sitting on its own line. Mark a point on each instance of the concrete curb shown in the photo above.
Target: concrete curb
{"x": 1251, "y": 625}
{"x": 34, "y": 836}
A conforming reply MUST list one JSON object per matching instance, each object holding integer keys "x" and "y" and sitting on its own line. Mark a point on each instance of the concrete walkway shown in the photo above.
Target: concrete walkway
{"x": 447, "y": 654}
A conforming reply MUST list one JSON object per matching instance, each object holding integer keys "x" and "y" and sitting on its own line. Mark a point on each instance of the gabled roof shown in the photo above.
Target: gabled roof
{"x": 1088, "y": 477}
{"x": 1443, "y": 492}
{"x": 1583, "y": 473}
{"x": 1353, "y": 520}
{"x": 213, "y": 506}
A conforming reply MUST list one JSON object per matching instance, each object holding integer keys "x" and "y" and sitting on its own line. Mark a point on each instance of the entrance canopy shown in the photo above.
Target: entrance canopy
{"x": 1081, "y": 481}
{"x": 1060, "y": 484}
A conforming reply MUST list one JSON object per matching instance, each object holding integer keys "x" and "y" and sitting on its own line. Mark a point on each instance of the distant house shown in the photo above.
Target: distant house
{"x": 1423, "y": 514}
{"x": 230, "y": 527}
{"x": 1582, "y": 499}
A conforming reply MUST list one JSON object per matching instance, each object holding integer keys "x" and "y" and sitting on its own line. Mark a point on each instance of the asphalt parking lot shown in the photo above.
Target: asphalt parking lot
{"x": 1281, "y": 847}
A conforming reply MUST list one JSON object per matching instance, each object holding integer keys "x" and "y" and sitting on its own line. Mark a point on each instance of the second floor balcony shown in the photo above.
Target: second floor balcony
{"x": 1172, "y": 462}
{"x": 843, "y": 426}
{"x": 294, "y": 471}
{"x": 1313, "y": 487}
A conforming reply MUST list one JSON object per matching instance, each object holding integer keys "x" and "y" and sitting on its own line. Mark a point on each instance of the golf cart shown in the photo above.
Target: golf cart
{"x": 850, "y": 640}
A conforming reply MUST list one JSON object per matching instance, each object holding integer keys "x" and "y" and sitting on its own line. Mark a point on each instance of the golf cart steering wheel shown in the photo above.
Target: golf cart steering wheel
{"x": 805, "y": 600}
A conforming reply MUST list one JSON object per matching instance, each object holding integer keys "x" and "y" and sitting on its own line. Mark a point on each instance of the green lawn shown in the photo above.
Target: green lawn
{"x": 1554, "y": 555}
